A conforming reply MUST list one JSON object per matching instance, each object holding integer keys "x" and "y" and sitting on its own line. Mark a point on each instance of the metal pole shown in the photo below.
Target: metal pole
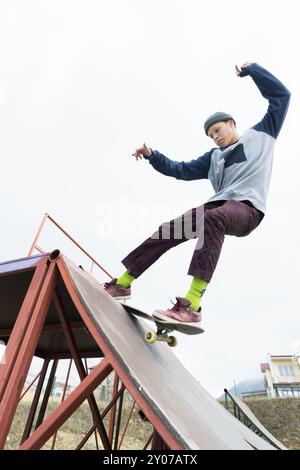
{"x": 226, "y": 399}
{"x": 37, "y": 234}
{"x": 62, "y": 398}
{"x": 86, "y": 438}
{"x": 78, "y": 245}
{"x": 34, "y": 405}
{"x": 120, "y": 409}
{"x": 148, "y": 442}
{"x": 29, "y": 386}
{"x": 103, "y": 414}
{"x": 157, "y": 442}
{"x": 45, "y": 401}
{"x": 113, "y": 411}
{"x": 126, "y": 426}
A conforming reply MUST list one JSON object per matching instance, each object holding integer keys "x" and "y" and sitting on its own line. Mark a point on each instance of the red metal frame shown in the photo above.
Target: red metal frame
{"x": 23, "y": 340}
{"x": 126, "y": 426}
{"x": 21, "y": 346}
{"x": 30, "y": 385}
{"x": 85, "y": 389}
{"x": 35, "y": 401}
{"x": 47, "y": 393}
{"x": 17, "y": 372}
{"x": 23, "y": 319}
{"x": 103, "y": 414}
{"x": 34, "y": 245}
{"x": 113, "y": 410}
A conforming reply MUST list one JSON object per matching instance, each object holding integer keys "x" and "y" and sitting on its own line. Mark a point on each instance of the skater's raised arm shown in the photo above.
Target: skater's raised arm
{"x": 193, "y": 170}
{"x": 274, "y": 91}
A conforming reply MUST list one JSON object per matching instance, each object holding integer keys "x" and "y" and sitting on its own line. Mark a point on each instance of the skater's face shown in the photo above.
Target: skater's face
{"x": 223, "y": 133}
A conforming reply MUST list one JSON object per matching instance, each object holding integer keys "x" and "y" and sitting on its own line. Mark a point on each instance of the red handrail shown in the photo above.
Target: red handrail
{"x": 34, "y": 245}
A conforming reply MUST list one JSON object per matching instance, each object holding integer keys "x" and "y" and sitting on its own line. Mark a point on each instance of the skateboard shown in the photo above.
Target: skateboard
{"x": 163, "y": 328}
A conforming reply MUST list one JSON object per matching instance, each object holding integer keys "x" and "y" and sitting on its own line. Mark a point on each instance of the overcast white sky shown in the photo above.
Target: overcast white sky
{"x": 83, "y": 83}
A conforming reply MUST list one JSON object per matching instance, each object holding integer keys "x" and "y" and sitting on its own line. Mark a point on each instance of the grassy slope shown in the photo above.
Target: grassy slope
{"x": 75, "y": 428}
{"x": 280, "y": 416}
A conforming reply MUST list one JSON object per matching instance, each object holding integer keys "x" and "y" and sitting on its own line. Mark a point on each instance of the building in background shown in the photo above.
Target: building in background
{"x": 58, "y": 389}
{"x": 282, "y": 376}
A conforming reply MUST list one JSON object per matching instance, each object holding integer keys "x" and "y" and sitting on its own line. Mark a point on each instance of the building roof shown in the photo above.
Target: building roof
{"x": 282, "y": 357}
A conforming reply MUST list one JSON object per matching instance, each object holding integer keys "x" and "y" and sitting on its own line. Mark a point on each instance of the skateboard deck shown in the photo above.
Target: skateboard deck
{"x": 163, "y": 327}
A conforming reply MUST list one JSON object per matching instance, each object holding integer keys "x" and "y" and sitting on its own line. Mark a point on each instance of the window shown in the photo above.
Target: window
{"x": 286, "y": 371}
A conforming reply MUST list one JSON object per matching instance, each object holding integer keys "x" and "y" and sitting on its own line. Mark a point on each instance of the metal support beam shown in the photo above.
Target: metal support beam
{"x": 35, "y": 401}
{"x": 41, "y": 435}
{"x": 22, "y": 321}
{"x": 118, "y": 425}
{"x": 113, "y": 410}
{"x": 67, "y": 355}
{"x": 25, "y": 353}
{"x": 126, "y": 426}
{"x": 76, "y": 325}
{"x": 70, "y": 340}
{"x": 47, "y": 393}
{"x": 158, "y": 443}
{"x": 86, "y": 437}
{"x": 103, "y": 414}
{"x": 148, "y": 442}
{"x": 30, "y": 385}
{"x": 62, "y": 398}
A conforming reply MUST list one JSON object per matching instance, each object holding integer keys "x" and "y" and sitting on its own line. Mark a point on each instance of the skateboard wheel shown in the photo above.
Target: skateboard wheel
{"x": 151, "y": 336}
{"x": 172, "y": 341}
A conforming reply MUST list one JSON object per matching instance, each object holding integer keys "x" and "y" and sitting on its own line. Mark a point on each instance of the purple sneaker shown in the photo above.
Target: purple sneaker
{"x": 116, "y": 291}
{"x": 181, "y": 311}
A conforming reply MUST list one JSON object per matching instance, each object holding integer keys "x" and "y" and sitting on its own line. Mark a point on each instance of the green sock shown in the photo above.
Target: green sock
{"x": 126, "y": 279}
{"x": 196, "y": 291}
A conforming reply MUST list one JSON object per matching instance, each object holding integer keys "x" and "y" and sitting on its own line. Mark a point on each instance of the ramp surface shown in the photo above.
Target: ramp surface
{"x": 192, "y": 415}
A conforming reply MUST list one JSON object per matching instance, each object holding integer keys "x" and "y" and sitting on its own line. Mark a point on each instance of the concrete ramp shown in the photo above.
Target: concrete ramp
{"x": 185, "y": 415}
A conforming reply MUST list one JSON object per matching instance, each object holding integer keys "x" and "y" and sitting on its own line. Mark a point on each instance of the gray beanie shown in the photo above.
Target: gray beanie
{"x": 216, "y": 117}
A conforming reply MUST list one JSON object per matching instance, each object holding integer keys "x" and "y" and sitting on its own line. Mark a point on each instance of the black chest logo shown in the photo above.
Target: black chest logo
{"x": 237, "y": 155}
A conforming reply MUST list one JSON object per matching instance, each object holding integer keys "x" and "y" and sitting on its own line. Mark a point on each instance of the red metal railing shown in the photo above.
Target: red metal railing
{"x": 34, "y": 245}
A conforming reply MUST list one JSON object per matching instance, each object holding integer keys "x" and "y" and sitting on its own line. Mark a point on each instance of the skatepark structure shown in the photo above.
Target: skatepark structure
{"x": 245, "y": 415}
{"x": 52, "y": 309}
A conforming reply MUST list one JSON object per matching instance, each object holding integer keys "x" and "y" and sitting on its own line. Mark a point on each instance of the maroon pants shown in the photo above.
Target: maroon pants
{"x": 209, "y": 223}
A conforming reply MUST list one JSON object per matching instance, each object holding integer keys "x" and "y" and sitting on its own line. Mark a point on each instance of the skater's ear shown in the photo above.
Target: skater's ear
{"x": 232, "y": 123}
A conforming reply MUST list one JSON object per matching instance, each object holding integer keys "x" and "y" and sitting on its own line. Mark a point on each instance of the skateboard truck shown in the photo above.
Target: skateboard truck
{"x": 161, "y": 334}
{"x": 163, "y": 328}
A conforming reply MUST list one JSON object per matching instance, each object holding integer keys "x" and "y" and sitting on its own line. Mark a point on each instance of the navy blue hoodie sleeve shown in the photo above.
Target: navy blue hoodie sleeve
{"x": 277, "y": 95}
{"x": 193, "y": 170}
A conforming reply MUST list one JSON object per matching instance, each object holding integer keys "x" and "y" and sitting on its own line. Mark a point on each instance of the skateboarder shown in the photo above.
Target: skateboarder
{"x": 239, "y": 168}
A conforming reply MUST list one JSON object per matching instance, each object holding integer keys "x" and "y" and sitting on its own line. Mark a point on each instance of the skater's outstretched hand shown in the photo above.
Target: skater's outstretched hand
{"x": 141, "y": 152}
{"x": 239, "y": 69}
